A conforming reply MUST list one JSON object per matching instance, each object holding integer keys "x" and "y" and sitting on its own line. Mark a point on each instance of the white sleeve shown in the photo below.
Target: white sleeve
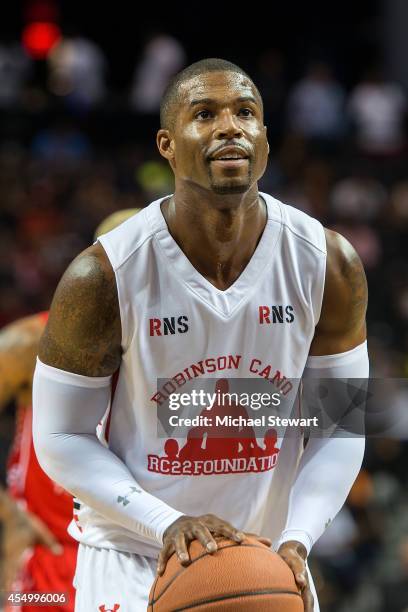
{"x": 66, "y": 410}
{"x": 329, "y": 466}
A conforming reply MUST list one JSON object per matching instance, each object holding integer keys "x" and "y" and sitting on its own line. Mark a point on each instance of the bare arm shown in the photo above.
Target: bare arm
{"x": 83, "y": 334}
{"x": 20, "y": 530}
{"x": 341, "y": 328}
{"x": 6, "y": 504}
{"x": 342, "y": 322}
{"x": 18, "y": 350}
{"x": 82, "y": 344}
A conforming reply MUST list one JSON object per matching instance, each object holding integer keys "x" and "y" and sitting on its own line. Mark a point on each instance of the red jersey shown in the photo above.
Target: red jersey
{"x": 28, "y": 483}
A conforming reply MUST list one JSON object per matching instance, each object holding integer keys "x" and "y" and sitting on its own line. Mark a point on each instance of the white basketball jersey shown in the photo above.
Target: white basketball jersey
{"x": 178, "y": 327}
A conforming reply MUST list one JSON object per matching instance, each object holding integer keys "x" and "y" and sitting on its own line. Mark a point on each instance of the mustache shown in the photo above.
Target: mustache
{"x": 230, "y": 143}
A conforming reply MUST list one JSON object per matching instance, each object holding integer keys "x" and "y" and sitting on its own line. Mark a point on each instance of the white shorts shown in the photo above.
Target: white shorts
{"x": 107, "y": 580}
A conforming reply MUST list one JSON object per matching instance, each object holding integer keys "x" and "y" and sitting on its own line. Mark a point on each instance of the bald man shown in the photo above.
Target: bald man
{"x": 216, "y": 280}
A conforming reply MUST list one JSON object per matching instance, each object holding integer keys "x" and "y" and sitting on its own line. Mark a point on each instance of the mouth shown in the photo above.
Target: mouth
{"x": 231, "y": 157}
{"x": 230, "y": 163}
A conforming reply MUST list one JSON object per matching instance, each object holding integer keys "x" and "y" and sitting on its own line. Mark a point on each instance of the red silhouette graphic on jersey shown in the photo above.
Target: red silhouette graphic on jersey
{"x": 216, "y": 448}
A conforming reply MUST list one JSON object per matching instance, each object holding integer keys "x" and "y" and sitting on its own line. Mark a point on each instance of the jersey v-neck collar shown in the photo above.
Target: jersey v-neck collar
{"x": 225, "y": 301}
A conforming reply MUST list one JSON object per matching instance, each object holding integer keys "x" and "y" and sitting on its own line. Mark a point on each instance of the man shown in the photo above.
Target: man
{"x": 184, "y": 290}
{"x": 38, "y": 553}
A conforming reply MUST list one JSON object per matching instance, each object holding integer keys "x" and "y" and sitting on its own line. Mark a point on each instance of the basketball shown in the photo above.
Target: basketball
{"x": 236, "y": 578}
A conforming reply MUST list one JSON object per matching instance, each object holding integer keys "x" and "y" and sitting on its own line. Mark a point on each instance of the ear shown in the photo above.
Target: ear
{"x": 165, "y": 144}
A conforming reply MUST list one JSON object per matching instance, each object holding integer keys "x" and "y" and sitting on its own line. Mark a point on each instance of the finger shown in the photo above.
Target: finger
{"x": 301, "y": 580}
{"x": 181, "y": 548}
{"x": 262, "y": 539}
{"x": 230, "y": 532}
{"x": 204, "y": 536}
{"x": 297, "y": 565}
{"x": 222, "y": 528}
{"x": 265, "y": 541}
{"x": 308, "y": 600}
{"x": 164, "y": 556}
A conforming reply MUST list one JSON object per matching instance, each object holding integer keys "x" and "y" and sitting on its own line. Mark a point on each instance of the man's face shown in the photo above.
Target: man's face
{"x": 219, "y": 140}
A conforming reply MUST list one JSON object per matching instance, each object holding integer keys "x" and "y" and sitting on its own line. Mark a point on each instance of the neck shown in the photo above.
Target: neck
{"x": 217, "y": 233}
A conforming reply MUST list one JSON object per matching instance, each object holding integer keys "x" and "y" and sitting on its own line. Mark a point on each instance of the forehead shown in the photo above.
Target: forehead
{"x": 216, "y": 85}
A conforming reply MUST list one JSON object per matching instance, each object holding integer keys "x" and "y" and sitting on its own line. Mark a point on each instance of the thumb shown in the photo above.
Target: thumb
{"x": 298, "y": 567}
{"x": 299, "y": 571}
{"x": 301, "y": 579}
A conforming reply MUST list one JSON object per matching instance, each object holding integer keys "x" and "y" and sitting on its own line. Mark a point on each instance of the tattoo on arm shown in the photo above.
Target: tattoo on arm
{"x": 342, "y": 320}
{"x": 83, "y": 334}
{"x": 353, "y": 272}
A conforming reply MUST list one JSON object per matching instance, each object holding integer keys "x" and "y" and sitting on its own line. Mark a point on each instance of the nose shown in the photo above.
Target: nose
{"x": 227, "y": 126}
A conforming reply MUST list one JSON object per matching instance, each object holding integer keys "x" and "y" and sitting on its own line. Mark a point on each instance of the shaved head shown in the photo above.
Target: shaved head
{"x": 171, "y": 96}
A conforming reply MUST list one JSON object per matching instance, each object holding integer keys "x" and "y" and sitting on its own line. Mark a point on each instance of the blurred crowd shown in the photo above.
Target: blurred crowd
{"x": 72, "y": 151}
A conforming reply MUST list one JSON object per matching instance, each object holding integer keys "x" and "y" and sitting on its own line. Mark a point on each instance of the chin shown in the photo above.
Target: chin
{"x": 230, "y": 189}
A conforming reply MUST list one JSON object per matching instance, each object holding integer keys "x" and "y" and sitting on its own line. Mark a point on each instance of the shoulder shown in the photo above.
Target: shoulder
{"x": 301, "y": 226}
{"x": 122, "y": 242}
{"x": 342, "y": 321}
{"x": 90, "y": 272}
{"x": 344, "y": 270}
{"x": 83, "y": 331}
{"x": 23, "y": 333}
{"x": 19, "y": 343}
{"x": 87, "y": 280}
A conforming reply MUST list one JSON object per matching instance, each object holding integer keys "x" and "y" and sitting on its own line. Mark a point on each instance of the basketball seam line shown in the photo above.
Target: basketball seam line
{"x": 234, "y": 595}
{"x": 180, "y": 572}
{"x": 204, "y": 554}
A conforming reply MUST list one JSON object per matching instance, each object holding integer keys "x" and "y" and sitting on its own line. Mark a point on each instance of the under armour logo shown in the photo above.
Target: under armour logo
{"x": 103, "y": 608}
{"x": 124, "y": 499}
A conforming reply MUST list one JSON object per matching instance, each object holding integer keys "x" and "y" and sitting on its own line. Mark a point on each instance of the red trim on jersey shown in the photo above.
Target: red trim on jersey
{"x": 115, "y": 379}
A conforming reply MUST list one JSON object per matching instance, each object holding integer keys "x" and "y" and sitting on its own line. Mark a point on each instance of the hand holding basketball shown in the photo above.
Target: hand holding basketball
{"x": 202, "y": 528}
{"x": 294, "y": 554}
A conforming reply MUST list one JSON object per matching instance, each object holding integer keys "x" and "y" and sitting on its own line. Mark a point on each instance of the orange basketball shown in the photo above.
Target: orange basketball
{"x": 236, "y": 578}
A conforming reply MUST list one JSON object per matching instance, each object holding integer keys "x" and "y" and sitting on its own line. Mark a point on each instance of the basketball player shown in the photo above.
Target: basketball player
{"x": 35, "y": 511}
{"x": 181, "y": 290}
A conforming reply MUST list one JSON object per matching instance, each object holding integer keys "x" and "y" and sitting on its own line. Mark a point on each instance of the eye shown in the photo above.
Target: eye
{"x": 245, "y": 112}
{"x": 203, "y": 114}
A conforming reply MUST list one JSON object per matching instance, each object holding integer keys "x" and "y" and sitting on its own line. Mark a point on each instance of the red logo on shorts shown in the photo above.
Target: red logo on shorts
{"x": 103, "y": 608}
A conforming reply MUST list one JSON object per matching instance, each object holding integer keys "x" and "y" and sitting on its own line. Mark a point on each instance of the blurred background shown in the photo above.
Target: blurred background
{"x": 80, "y": 88}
